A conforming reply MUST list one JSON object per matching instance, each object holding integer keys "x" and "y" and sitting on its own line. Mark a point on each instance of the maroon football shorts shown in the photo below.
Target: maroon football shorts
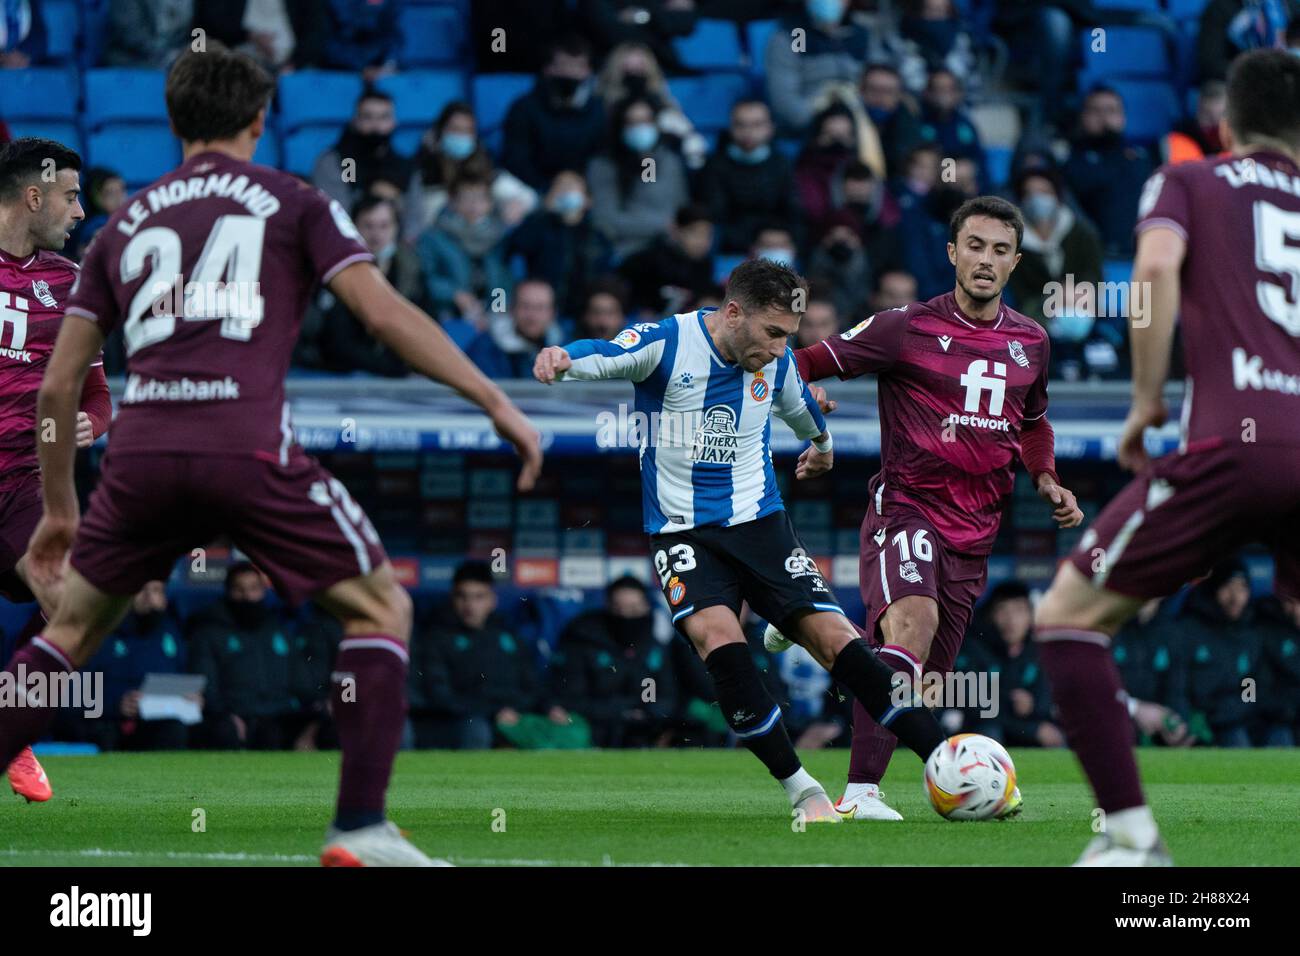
{"x": 901, "y": 554}
{"x": 1187, "y": 512}
{"x": 21, "y": 507}
{"x": 295, "y": 521}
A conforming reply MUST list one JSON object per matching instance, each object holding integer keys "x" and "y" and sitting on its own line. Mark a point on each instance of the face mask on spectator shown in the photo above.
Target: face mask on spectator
{"x": 635, "y": 84}
{"x": 1040, "y": 207}
{"x": 641, "y": 137}
{"x": 570, "y": 200}
{"x": 781, "y": 256}
{"x": 826, "y": 11}
{"x": 148, "y": 620}
{"x": 568, "y": 91}
{"x": 1070, "y": 326}
{"x": 386, "y": 253}
{"x": 458, "y": 146}
{"x": 247, "y": 613}
{"x": 840, "y": 251}
{"x": 750, "y": 157}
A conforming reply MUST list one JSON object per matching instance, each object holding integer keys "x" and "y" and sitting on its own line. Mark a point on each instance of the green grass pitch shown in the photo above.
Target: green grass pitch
{"x": 660, "y": 807}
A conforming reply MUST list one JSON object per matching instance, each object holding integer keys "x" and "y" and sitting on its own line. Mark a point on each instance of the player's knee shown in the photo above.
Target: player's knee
{"x": 398, "y": 610}
{"x": 914, "y": 626}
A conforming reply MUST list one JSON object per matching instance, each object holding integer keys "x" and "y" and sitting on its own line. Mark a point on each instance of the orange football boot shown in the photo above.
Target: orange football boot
{"x": 27, "y": 777}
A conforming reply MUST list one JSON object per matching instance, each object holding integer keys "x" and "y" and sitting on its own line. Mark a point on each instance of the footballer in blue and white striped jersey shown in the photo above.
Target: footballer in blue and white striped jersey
{"x": 706, "y": 458}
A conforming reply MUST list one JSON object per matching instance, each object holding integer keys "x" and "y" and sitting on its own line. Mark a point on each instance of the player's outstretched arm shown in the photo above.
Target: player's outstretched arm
{"x": 423, "y": 345}
{"x": 632, "y": 354}
{"x": 1159, "y": 260}
{"x": 57, "y": 403}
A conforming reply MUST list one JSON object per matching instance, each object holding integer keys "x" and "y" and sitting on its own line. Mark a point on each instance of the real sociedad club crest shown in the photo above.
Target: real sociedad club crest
{"x": 1018, "y": 353}
{"x": 41, "y": 289}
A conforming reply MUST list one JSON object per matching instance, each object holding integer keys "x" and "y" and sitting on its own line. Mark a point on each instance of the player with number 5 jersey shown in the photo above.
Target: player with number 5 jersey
{"x": 207, "y": 272}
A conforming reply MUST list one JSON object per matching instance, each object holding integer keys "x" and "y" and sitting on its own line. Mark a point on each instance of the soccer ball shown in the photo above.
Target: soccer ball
{"x": 969, "y": 777}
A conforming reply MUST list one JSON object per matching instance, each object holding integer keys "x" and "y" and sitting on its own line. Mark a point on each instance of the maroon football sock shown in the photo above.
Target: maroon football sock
{"x": 21, "y": 726}
{"x": 369, "y": 707}
{"x": 34, "y": 626}
{"x": 873, "y": 745}
{"x": 1090, "y": 697}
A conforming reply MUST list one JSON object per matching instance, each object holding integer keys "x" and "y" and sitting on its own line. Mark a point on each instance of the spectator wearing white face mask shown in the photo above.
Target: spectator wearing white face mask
{"x": 638, "y": 183}
{"x": 448, "y": 149}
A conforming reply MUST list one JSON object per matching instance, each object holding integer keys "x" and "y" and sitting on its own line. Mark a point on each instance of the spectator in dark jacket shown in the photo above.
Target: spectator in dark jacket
{"x": 464, "y": 254}
{"x": 654, "y": 23}
{"x": 149, "y": 640}
{"x": 469, "y": 675}
{"x": 1105, "y": 173}
{"x": 509, "y": 346}
{"x": 831, "y": 147}
{"x": 604, "y": 313}
{"x": 558, "y": 242}
{"x": 147, "y": 34}
{"x": 363, "y": 161}
{"x": 1230, "y": 27}
{"x": 1056, "y": 244}
{"x": 105, "y": 193}
{"x": 609, "y": 668}
{"x": 840, "y": 263}
{"x": 945, "y": 123}
{"x": 675, "y": 269}
{"x": 283, "y": 34}
{"x": 344, "y": 344}
{"x": 1279, "y": 691}
{"x": 361, "y": 36}
{"x": 1025, "y": 701}
{"x": 1217, "y": 650}
{"x": 746, "y": 181}
{"x": 1142, "y": 652}
{"x": 896, "y": 122}
{"x": 560, "y": 124}
{"x": 254, "y": 695}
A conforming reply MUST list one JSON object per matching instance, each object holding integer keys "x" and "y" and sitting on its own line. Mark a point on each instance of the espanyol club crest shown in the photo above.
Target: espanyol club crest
{"x": 676, "y": 591}
{"x": 1018, "y": 353}
{"x": 41, "y": 289}
{"x": 627, "y": 338}
{"x": 758, "y": 387}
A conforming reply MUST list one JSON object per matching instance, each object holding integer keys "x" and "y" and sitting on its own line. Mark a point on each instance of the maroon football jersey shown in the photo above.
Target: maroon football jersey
{"x": 953, "y": 393}
{"x": 208, "y": 271}
{"x": 1240, "y": 285}
{"x": 33, "y": 293}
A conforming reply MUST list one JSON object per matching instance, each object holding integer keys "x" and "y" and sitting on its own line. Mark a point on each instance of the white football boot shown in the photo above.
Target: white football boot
{"x": 774, "y": 642}
{"x": 1013, "y": 807}
{"x": 816, "y": 806}
{"x": 380, "y": 844}
{"x": 866, "y": 803}
{"x": 1105, "y": 850}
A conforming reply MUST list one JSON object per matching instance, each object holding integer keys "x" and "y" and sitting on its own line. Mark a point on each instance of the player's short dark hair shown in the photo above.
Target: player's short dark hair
{"x": 1006, "y": 591}
{"x": 475, "y": 572}
{"x": 857, "y": 169}
{"x": 627, "y": 582}
{"x": 761, "y": 284}
{"x": 570, "y": 44}
{"x": 995, "y": 207}
{"x": 611, "y": 285}
{"x": 692, "y": 213}
{"x": 373, "y": 93}
{"x": 215, "y": 94}
{"x": 24, "y": 158}
{"x": 370, "y": 202}
{"x": 1264, "y": 97}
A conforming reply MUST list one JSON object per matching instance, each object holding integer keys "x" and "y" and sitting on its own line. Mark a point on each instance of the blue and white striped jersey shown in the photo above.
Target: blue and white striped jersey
{"x": 703, "y": 424}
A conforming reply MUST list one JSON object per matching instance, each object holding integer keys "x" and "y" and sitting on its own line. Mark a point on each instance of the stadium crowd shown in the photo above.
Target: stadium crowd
{"x": 598, "y": 194}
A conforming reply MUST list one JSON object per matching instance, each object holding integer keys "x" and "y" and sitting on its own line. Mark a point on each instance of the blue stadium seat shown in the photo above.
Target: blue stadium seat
{"x": 61, "y": 131}
{"x": 492, "y": 95}
{"x": 40, "y": 92}
{"x": 141, "y": 153}
{"x": 313, "y": 97}
{"x": 714, "y": 45}
{"x": 116, "y": 95}
{"x": 268, "y": 149}
{"x": 431, "y": 36}
{"x": 62, "y": 28}
{"x": 707, "y": 99}
{"x": 1151, "y": 5}
{"x": 407, "y": 139}
{"x": 302, "y": 146}
{"x": 419, "y": 95}
{"x": 1186, "y": 9}
{"x": 997, "y": 165}
{"x": 1130, "y": 51}
{"x": 1151, "y": 108}
{"x": 757, "y": 33}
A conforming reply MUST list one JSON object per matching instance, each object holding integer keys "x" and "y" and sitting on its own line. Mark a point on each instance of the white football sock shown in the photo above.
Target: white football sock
{"x": 797, "y": 783}
{"x": 1133, "y": 827}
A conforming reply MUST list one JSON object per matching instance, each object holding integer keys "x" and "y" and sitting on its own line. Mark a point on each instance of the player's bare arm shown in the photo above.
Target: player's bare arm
{"x": 423, "y": 345}
{"x": 813, "y": 462}
{"x": 1065, "y": 510}
{"x": 552, "y": 361}
{"x": 1159, "y": 260}
{"x": 57, "y": 403}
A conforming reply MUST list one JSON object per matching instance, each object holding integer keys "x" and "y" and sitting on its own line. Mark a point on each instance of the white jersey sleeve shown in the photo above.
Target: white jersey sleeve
{"x": 633, "y": 354}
